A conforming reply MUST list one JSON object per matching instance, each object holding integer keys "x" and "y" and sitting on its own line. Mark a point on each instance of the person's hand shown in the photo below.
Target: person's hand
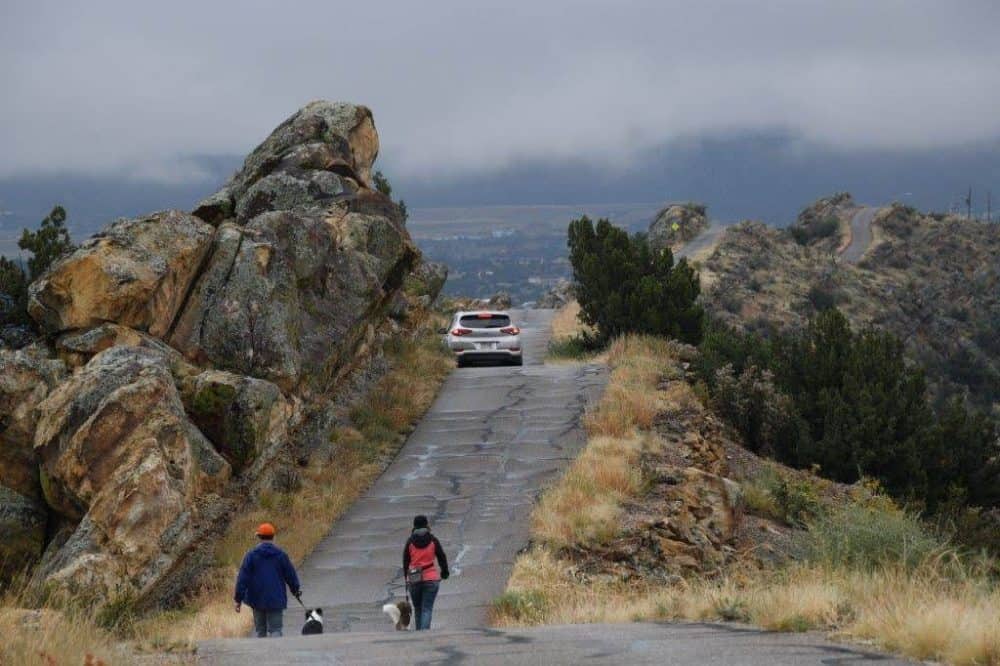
{"x": 445, "y": 574}
{"x": 237, "y": 607}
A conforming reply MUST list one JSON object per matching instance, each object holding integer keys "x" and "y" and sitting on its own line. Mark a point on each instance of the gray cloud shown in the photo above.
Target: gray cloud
{"x": 463, "y": 86}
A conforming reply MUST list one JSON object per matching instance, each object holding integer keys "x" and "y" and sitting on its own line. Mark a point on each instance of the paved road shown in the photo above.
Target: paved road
{"x": 475, "y": 465}
{"x": 627, "y": 644}
{"x": 861, "y": 234}
{"x": 702, "y": 240}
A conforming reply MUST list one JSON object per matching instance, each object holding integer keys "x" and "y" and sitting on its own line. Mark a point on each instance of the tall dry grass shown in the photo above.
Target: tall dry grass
{"x": 872, "y": 572}
{"x": 303, "y": 518}
{"x": 584, "y": 506}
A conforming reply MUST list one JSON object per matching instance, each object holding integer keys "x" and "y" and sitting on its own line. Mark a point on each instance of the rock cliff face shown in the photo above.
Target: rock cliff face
{"x": 188, "y": 352}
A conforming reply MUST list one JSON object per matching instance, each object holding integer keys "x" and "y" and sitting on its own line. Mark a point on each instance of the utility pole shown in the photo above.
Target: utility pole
{"x": 968, "y": 204}
{"x": 989, "y": 202}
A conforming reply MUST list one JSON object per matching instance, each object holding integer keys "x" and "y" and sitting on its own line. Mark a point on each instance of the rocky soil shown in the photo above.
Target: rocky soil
{"x": 932, "y": 280}
{"x": 188, "y": 356}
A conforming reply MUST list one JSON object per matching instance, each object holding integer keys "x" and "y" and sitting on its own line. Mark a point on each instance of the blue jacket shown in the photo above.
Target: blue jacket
{"x": 264, "y": 573}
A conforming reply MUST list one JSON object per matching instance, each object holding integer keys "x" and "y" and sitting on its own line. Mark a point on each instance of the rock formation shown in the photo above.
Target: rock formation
{"x": 203, "y": 347}
{"x": 676, "y": 224}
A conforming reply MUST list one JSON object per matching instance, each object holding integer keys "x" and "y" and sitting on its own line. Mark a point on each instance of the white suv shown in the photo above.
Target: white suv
{"x": 485, "y": 336}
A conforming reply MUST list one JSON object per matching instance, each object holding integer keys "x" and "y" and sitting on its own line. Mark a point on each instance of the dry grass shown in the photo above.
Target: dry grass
{"x": 303, "y": 518}
{"x": 922, "y": 613}
{"x": 566, "y": 322}
{"x": 585, "y": 504}
{"x": 924, "y": 602}
{"x": 50, "y": 638}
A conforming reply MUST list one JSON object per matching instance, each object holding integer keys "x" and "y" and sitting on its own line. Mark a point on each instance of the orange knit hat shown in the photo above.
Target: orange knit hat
{"x": 265, "y": 530}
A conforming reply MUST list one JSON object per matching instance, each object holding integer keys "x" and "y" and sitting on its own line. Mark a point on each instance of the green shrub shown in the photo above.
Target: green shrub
{"x": 576, "y": 347}
{"x": 868, "y": 535}
{"x": 526, "y": 606}
{"x": 623, "y": 286}
{"x": 815, "y": 230}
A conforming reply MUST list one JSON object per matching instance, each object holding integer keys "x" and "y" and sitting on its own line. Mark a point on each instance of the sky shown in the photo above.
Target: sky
{"x": 142, "y": 91}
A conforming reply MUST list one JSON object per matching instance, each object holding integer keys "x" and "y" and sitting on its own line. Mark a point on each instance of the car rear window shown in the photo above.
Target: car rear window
{"x": 484, "y": 321}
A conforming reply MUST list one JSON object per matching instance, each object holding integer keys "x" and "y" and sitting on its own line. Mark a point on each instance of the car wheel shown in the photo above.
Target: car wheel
{"x": 460, "y": 362}
{"x": 518, "y": 361}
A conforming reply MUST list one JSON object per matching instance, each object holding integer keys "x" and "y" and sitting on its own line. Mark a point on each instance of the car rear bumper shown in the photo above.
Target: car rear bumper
{"x": 487, "y": 355}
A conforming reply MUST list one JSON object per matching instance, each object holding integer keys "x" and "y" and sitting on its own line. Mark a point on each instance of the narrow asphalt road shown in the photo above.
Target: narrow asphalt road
{"x": 627, "y": 644}
{"x": 861, "y": 234}
{"x": 702, "y": 240}
{"x": 475, "y": 464}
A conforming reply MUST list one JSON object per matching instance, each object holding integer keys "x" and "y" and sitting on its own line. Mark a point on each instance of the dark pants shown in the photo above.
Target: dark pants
{"x": 267, "y": 623}
{"x": 423, "y": 596}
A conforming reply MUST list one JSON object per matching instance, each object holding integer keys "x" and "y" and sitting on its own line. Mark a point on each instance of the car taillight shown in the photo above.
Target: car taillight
{"x": 461, "y": 331}
{"x": 510, "y": 330}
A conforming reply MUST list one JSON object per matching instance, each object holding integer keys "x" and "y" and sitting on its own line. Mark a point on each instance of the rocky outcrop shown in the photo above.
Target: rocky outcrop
{"x": 26, "y": 377}
{"x": 499, "y": 301}
{"x": 309, "y": 257}
{"x": 120, "y": 458}
{"x": 323, "y": 152}
{"x": 676, "y": 224}
{"x": 559, "y": 295}
{"x": 135, "y": 273}
{"x": 204, "y": 348}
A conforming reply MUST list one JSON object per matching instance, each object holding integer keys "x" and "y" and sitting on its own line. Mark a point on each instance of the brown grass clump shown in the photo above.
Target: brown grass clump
{"x": 51, "y": 638}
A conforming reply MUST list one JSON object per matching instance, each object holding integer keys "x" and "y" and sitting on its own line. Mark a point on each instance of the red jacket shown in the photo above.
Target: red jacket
{"x": 422, "y": 549}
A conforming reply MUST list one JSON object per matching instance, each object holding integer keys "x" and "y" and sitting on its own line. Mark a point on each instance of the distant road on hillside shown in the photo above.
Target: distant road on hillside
{"x": 702, "y": 241}
{"x": 861, "y": 234}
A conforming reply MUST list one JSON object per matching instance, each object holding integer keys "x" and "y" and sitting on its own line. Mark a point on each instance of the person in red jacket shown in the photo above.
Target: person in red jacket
{"x": 422, "y": 574}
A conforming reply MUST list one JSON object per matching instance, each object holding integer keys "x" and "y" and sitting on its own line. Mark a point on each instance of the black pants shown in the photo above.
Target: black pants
{"x": 423, "y": 596}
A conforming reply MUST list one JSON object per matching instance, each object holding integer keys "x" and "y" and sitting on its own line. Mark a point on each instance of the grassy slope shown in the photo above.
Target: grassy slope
{"x": 378, "y": 429}
{"x": 866, "y": 570}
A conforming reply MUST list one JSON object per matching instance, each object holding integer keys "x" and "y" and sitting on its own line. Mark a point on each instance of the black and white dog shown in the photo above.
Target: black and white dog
{"x": 400, "y": 613}
{"x": 314, "y": 622}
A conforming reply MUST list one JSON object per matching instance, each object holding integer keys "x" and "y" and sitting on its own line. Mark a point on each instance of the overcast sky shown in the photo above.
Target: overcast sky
{"x": 137, "y": 88}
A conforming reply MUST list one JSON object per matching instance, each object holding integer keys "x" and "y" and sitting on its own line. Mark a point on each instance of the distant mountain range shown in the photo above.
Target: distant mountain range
{"x": 767, "y": 177}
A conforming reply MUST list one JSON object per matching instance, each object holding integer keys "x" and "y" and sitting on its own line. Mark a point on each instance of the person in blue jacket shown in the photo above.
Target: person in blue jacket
{"x": 264, "y": 574}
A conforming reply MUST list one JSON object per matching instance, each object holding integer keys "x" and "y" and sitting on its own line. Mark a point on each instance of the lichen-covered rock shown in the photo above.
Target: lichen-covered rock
{"x": 120, "y": 458}
{"x": 76, "y": 348}
{"x": 676, "y": 224}
{"x": 295, "y": 281}
{"x": 426, "y": 282}
{"x": 26, "y": 377}
{"x": 325, "y": 150}
{"x": 246, "y": 419}
{"x": 136, "y": 272}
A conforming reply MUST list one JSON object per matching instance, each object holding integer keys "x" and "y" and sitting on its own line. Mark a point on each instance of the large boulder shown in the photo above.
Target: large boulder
{"x": 26, "y": 377}
{"x": 135, "y": 272}
{"x": 246, "y": 419}
{"x": 121, "y": 461}
{"x": 306, "y": 256}
{"x": 676, "y": 224}
{"x": 325, "y": 150}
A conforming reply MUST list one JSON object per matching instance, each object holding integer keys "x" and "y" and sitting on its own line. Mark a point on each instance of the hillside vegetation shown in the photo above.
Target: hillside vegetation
{"x": 680, "y": 521}
{"x": 933, "y": 281}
